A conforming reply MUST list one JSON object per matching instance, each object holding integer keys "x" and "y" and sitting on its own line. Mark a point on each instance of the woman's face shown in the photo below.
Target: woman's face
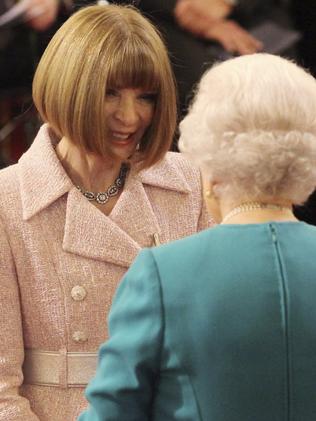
{"x": 128, "y": 112}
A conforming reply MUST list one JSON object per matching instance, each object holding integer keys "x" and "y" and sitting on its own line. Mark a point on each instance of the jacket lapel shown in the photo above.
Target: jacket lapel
{"x": 90, "y": 233}
{"x": 116, "y": 238}
{"x": 132, "y": 224}
{"x": 134, "y": 214}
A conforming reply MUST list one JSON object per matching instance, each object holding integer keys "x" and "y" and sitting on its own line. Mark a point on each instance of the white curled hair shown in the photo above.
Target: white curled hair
{"x": 252, "y": 126}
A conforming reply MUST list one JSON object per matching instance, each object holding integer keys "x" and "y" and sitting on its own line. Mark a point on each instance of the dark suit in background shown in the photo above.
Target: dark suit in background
{"x": 190, "y": 55}
{"x": 304, "y": 17}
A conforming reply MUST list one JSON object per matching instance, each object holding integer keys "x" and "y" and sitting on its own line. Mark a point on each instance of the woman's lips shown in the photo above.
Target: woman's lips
{"x": 122, "y": 138}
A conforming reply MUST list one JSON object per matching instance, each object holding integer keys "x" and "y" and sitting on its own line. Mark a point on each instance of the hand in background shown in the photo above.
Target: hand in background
{"x": 196, "y": 15}
{"x": 207, "y": 19}
{"x": 232, "y": 37}
{"x": 41, "y": 14}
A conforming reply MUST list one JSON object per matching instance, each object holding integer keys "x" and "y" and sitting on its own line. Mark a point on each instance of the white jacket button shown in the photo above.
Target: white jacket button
{"x": 79, "y": 336}
{"x": 78, "y": 293}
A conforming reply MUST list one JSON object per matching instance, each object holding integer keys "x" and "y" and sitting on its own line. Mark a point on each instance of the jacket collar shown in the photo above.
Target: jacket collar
{"x": 42, "y": 178}
{"x": 165, "y": 175}
{"x": 132, "y": 224}
{"x": 116, "y": 238}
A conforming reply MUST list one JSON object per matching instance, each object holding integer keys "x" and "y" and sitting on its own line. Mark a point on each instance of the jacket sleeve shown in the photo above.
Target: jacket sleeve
{"x": 129, "y": 361}
{"x": 13, "y": 407}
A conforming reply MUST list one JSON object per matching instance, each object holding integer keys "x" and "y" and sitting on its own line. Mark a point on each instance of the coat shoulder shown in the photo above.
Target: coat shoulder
{"x": 188, "y": 245}
{"x": 9, "y": 184}
{"x": 182, "y": 163}
{"x": 184, "y": 168}
{"x": 10, "y": 205}
{"x": 174, "y": 172}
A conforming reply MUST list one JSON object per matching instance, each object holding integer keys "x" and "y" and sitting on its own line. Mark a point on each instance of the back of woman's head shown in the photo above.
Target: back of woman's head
{"x": 97, "y": 48}
{"x": 252, "y": 125}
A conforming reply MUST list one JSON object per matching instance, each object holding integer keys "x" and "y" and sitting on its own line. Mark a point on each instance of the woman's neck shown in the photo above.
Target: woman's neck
{"x": 87, "y": 170}
{"x": 249, "y": 212}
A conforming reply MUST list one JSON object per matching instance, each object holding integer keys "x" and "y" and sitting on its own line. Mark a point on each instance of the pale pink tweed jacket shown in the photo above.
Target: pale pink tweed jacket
{"x": 61, "y": 260}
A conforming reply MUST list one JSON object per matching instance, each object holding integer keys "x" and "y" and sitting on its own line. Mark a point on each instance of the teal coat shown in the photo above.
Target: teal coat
{"x": 220, "y": 326}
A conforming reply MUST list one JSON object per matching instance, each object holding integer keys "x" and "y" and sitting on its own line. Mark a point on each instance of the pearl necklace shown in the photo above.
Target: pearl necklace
{"x": 113, "y": 190}
{"x": 252, "y": 206}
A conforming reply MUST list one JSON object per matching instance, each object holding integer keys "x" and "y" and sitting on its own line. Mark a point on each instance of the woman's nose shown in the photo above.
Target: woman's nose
{"x": 127, "y": 112}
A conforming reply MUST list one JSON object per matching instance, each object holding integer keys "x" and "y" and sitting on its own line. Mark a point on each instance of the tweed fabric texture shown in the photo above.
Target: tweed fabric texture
{"x": 53, "y": 242}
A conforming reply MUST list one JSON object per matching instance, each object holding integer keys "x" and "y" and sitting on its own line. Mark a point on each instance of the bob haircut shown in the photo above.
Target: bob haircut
{"x": 252, "y": 127}
{"x": 102, "y": 47}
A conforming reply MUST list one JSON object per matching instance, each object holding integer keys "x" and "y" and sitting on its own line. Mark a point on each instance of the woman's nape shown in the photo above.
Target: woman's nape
{"x": 253, "y": 134}
{"x": 244, "y": 211}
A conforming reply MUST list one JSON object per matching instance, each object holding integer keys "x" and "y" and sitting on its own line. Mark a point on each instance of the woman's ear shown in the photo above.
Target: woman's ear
{"x": 211, "y": 198}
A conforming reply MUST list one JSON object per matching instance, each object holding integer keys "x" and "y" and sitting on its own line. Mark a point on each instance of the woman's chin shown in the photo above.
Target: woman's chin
{"x": 123, "y": 150}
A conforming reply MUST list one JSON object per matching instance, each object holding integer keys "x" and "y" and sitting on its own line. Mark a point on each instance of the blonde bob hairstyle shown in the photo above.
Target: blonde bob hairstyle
{"x": 97, "y": 48}
{"x": 252, "y": 126}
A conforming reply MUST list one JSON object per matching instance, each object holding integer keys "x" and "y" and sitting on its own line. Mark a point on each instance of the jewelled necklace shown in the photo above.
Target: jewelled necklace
{"x": 113, "y": 190}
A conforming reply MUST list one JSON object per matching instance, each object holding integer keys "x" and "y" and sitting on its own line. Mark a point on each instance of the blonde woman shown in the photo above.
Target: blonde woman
{"x": 96, "y": 186}
{"x": 225, "y": 329}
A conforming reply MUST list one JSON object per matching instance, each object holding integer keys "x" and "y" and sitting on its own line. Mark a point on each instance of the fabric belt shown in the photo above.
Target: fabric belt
{"x": 59, "y": 369}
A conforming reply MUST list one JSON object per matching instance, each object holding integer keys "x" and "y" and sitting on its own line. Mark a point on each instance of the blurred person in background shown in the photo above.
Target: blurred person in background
{"x": 25, "y": 29}
{"x": 197, "y": 31}
{"x": 24, "y": 39}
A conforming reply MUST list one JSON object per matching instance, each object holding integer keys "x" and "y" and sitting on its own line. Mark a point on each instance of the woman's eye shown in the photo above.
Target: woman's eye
{"x": 111, "y": 93}
{"x": 149, "y": 97}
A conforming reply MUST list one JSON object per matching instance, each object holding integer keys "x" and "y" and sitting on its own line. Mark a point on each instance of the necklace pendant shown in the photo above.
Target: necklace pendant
{"x": 102, "y": 198}
{"x": 89, "y": 195}
{"x": 113, "y": 191}
{"x": 119, "y": 182}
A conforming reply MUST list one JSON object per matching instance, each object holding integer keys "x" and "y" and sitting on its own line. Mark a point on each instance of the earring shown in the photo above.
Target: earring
{"x": 209, "y": 194}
